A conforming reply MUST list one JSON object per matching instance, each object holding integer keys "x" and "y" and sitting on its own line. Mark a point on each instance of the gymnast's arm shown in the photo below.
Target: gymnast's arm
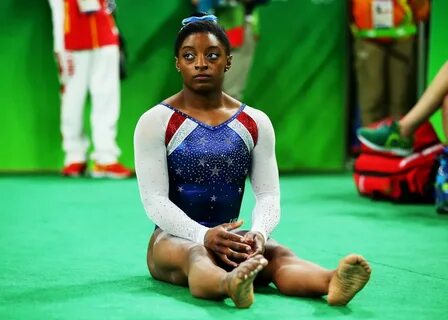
{"x": 152, "y": 175}
{"x": 264, "y": 179}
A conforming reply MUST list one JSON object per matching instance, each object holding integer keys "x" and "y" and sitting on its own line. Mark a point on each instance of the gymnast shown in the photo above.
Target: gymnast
{"x": 193, "y": 152}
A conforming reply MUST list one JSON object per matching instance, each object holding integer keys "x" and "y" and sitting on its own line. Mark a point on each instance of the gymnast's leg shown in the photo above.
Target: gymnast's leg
{"x": 185, "y": 263}
{"x": 297, "y": 277}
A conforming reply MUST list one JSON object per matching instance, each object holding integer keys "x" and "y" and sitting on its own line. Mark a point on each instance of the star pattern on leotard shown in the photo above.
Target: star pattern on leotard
{"x": 215, "y": 171}
{"x": 203, "y": 141}
{"x": 209, "y": 165}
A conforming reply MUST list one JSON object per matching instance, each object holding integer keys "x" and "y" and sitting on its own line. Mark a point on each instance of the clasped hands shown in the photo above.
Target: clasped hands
{"x": 233, "y": 248}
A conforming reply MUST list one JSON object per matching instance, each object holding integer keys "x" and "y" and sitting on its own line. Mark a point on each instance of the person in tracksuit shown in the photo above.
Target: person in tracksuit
{"x": 86, "y": 45}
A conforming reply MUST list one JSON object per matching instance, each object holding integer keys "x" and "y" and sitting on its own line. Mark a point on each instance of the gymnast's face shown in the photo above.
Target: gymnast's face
{"x": 202, "y": 61}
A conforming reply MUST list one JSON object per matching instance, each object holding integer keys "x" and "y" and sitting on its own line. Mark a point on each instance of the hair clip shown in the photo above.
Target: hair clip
{"x": 209, "y": 17}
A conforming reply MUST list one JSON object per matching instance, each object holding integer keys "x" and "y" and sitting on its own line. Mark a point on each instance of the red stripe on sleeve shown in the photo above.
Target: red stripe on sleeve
{"x": 174, "y": 123}
{"x": 250, "y": 125}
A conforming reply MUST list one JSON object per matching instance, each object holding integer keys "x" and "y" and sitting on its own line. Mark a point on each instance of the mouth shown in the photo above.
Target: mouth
{"x": 202, "y": 77}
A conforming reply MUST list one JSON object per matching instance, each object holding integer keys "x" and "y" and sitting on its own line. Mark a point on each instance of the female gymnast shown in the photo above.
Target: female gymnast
{"x": 193, "y": 153}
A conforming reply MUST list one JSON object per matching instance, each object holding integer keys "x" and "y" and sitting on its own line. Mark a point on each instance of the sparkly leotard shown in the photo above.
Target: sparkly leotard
{"x": 192, "y": 175}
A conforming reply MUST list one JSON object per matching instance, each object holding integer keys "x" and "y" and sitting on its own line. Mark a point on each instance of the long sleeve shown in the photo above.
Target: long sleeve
{"x": 152, "y": 175}
{"x": 264, "y": 178}
{"x": 57, "y": 13}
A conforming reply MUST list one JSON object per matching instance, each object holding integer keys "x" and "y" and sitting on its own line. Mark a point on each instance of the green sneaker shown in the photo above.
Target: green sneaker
{"x": 387, "y": 138}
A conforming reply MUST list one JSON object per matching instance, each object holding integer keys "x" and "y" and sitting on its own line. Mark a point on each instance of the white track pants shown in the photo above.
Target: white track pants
{"x": 95, "y": 72}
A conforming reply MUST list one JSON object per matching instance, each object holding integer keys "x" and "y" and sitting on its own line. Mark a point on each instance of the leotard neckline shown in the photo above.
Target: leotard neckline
{"x": 240, "y": 109}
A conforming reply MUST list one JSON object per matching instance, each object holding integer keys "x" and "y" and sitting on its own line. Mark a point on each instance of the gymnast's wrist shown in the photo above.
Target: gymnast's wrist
{"x": 200, "y": 237}
{"x": 262, "y": 234}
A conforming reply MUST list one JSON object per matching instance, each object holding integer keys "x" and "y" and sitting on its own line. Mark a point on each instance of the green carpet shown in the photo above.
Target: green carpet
{"x": 75, "y": 249}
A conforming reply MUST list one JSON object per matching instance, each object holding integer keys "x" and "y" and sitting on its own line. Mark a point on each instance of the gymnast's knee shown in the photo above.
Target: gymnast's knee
{"x": 281, "y": 252}
{"x": 197, "y": 252}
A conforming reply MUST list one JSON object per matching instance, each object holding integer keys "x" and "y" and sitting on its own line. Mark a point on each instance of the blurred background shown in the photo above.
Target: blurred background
{"x": 301, "y": 77}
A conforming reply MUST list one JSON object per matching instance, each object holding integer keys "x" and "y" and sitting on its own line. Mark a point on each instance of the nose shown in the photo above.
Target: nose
{"x": 201, "y": 63}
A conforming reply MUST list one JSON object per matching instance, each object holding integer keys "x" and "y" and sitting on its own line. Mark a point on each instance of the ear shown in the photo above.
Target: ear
{"x": 228, "y": 63}
{"x": 177, "y": 64}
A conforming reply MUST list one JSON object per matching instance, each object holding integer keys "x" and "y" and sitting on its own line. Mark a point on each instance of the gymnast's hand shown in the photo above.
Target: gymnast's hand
{"x": 256, "y": 241}
{"x": 227, "y": 245}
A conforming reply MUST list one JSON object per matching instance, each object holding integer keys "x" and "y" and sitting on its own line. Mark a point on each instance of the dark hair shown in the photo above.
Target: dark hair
{"x": 202, "y": 27}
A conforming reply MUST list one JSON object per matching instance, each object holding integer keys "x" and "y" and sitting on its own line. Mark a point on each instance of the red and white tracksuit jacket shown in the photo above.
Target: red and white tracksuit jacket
{"x": 86, "y": 45}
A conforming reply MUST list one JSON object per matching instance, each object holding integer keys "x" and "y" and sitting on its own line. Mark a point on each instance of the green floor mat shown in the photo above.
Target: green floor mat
{"x": 76, "y": 249}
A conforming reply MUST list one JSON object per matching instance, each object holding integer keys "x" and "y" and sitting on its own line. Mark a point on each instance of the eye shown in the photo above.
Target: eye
{"x": 188, "y": 56}
{"x": 213, "y": 56}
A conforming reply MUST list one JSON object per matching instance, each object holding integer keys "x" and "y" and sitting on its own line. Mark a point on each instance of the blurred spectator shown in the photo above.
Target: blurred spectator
{"x": 240, "y": 19}
{"x": 86, "y": 47}
{"x": 396, "y": 137}
{"x": 385, "y": 55}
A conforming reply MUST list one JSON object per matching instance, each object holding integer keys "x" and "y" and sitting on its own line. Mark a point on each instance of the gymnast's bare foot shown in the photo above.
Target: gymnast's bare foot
{"x": 240, "y": 281}
{"x": 350, "y": 277}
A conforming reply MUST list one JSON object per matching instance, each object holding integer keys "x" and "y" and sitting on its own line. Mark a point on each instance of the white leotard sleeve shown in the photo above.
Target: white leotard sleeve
{"x": 264, "y": 176}
{"x": 152, "y": 175}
